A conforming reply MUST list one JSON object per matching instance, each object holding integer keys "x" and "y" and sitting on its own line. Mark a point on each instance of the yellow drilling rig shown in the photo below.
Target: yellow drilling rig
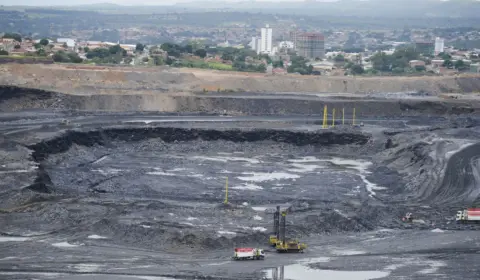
{"x": 279, "y": 240}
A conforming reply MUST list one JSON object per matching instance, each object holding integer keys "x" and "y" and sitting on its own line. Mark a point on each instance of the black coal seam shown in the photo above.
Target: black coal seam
{"x": 63, "y": 142}
{"x": 11, "y": 92}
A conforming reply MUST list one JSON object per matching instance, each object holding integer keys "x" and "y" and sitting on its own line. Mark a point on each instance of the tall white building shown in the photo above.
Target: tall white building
{"x": 439, "y": 45}
{"x": 266, "y": 40}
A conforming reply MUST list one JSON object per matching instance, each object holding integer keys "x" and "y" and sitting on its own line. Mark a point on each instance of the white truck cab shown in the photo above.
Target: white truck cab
{"x": 460, "y": 216}
{"x": 248, "y": 254}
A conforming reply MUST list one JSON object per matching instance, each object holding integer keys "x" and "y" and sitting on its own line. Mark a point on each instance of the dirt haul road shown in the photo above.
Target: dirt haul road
{"x": 85, "y": 79}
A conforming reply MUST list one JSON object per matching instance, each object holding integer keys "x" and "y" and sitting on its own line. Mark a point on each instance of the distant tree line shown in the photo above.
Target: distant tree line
{"x": 17, "y": 37}
{"x": 67, "y": 57}
{"x": 398, "y": 62}
{"x": 299, "y": 65}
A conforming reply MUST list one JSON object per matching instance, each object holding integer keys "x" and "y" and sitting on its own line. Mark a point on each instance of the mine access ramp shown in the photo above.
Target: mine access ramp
{"x": 279, "y": 240}
{"x": 248, "y": 254}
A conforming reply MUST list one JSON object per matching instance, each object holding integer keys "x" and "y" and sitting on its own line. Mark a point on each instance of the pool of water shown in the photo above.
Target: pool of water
{"x": 302, "y": 272}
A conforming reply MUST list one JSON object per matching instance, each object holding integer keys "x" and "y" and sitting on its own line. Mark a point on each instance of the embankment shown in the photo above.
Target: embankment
{"x": 87, "y": 80}
{"x": 347, "y": 84}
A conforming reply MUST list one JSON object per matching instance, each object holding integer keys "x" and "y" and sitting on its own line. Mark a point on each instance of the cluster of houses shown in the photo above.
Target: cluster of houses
{"x": 327, "y": 66}
{"x": 27, "y": 46}
{"x": 435, "y": 64}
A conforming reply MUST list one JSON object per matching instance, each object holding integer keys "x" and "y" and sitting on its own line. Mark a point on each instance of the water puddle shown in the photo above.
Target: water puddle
{"x": 227, "y": 159}
{"x": 65, "y": 245}
{"x": 433, "y": 267}
{"x": 94, "y": 236}
{"x": 347, "y": 252}
{"x": 162, "y": 173}
{"x": 304, "y": 159}
{"x": 361, "y": 166}
{"x": 249, "y": 187}
{"x": 224, "y": 232}
{"x": 13, "y": 239}
{"x": 301, "y": 272}
{"x": 304, "y": 168}
{"x": 87, "y": 267}
{"x": 107, "y": 171}
{"x": 261, "y": 176}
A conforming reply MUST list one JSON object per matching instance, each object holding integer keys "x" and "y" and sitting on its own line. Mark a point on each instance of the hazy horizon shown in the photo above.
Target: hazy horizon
{"x": 128, "y": 2}
{"x": 151, "y": 2}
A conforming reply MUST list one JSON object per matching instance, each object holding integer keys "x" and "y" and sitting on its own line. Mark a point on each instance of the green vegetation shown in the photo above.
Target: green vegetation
{"x": 460, "y": 65}
{"x": 201, "y": 53}
{"x": 299, "y": 65}
{"x": 357, "y": 70}
{"x": 219, "y": 66}
{"x": 114, "y": 54}
{"x": 3, "y": 52}
{"x": 444, "y": 56}
{"x": 447, "y": 63}
{"x": 43, "y": 42}
{"x": 191, "y": 63}
{"x": 182, "y": 57}
{"x": 17, "y": 37}
{"x": 244, "y": 67}
{"x": 139, "y": 47}
{"x": 339, "y": 58}
{"x": 158, "y": 60}
{"x": 70, "y": 57}
{"x": 28, "y": 58}
{"x": 173, "y": 49}
{"x": 41, "y": 52}
{"x": 396, "y": 63}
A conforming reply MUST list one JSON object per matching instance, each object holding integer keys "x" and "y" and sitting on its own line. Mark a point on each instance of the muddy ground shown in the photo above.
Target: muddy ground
{"x": 89, "y": 195}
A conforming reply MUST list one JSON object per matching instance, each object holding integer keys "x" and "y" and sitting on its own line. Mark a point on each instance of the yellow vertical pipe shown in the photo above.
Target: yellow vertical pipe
{"x": 226, "y": 191}
{"x": 325, "y": 116}
{"x": 333, "y": 117}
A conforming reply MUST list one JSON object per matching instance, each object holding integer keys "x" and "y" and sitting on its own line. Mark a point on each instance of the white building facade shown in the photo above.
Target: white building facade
{"x": 266, "y": 40}
{"x": 439, "y": 45}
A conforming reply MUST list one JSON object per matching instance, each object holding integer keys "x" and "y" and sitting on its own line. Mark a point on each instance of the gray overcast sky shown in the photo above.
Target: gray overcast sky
{"x": 120, "y": 2}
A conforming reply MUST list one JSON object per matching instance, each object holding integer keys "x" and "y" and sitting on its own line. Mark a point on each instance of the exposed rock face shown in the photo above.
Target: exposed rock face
{"x": 16, "y": 98}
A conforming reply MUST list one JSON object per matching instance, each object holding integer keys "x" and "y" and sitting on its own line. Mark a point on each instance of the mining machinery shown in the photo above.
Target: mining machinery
{"x": 276, "y": 228}
{"x": 279, "y": 240}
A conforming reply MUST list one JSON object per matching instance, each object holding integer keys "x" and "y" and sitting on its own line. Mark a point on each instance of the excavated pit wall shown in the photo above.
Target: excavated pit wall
{"x": 15, "y": 98}
{"x": 63, "y": 142}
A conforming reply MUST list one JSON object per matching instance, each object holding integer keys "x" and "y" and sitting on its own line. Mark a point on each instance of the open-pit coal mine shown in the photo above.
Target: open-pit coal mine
{"x": 142, "y": 194}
